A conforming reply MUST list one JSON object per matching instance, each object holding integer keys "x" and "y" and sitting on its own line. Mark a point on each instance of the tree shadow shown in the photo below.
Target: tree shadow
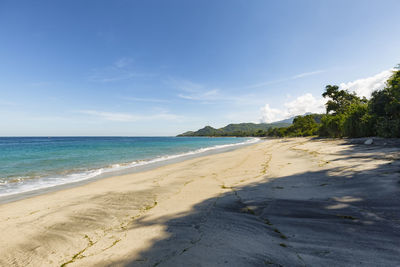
{"x": 308, "y": 219}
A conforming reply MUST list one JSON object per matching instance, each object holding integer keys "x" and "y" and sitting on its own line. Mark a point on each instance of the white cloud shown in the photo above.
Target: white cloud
{"x": 270, "y": 114}
{"x": 364, "y": 87}
{"x": 303, "y": 104}
{"x": 127, "y": 117}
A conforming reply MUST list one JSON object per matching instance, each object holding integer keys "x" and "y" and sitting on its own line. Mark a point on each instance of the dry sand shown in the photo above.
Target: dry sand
{"x": 288, "y": 202}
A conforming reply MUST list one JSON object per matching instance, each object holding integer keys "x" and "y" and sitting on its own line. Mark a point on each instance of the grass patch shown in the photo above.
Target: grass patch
{"x": 113, "y": 244}
{"x": 268, "y": 262}
{"x": 184, "y": 250}
{"x": 347, "y": 217}
{"x": 79, "y": 254}
{"x": 73, "y": 258}
{"x": 248, "y": 210}
{"x": 280, "y": 234}
{"x": 267, "y": 222}
{"x": 149, "y": 207}
{"x": 89, "y": 240}
{"x": 283, "y": 245}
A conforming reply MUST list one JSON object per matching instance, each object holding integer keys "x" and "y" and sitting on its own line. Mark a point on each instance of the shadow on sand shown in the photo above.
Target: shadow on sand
{"x": 324, "y": 218}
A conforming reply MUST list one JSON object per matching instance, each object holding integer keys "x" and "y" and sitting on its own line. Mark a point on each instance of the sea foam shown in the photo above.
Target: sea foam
{"x": 18, "y": 186}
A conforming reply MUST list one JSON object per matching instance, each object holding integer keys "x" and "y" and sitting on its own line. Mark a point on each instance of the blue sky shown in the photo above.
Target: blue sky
{"x": 164, "y": 67}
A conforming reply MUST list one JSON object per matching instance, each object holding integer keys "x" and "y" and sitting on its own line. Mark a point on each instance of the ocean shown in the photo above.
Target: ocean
{"x": 33, "y": 163}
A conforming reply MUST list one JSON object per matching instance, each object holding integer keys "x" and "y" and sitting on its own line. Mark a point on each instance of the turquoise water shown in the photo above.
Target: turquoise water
{"x": 30, "y": 163}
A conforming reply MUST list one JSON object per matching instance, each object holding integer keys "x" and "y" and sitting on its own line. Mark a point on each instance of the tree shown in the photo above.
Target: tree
{"x": 303, "y": 126}
{"x": 339, "y": 99}
{"x": 385, "y": 107}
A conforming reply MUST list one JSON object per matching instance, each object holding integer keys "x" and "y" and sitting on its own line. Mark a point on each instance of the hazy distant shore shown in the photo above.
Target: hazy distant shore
{"x": 290, "y": 202}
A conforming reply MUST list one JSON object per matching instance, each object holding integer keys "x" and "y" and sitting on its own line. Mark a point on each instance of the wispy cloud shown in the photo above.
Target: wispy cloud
{"x": 106, "y": 79}
{"x": 140, "y": 99}
{"x": 40, "y": 84}
{"x": 202, "y": 96}
{"x": 195, "y": 91}
{"x": 122, "y": 62}
{"x": 7, "y": 103}
{"x": 121, "y": 69}
{"x": 205, "y": 95}
{"x": 128, "y": 117}
{"x": 185, "y": 85}
{"x": 305, "y": 74}
{"x": 294, "y": 77}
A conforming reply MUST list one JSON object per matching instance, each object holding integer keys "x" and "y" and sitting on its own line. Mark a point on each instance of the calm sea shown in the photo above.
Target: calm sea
{"x": 31, "y": 163}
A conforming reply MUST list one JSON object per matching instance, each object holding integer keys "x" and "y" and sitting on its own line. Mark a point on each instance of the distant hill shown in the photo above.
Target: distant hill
{"x": 235, "y": 129}
{"x": 245, "y": 129}
{"x": 289, "y": 120}
{"x": 317, "y": 118}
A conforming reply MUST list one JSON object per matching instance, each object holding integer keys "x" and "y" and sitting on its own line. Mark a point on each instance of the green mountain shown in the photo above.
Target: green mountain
{"x": 249, "y": 129}
{"x": 236, "y": 129}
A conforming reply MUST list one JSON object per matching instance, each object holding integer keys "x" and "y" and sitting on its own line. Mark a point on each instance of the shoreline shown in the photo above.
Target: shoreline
{"x": 289, "y": 202}
{"x": 148, "y": 165}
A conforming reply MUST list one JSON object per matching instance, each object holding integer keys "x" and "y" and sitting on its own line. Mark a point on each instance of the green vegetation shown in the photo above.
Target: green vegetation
{"x": 240, "y": 129}
{"x": 347, "y": 115}
{"x": 346, "y": 217}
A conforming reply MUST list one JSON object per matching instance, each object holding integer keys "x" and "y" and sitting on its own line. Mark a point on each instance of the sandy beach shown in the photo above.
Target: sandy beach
{"x": 282, "y": 202}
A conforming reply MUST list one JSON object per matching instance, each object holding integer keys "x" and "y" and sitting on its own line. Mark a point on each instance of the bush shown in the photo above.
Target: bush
{"x": 332, "y": 125}
{"x": 388, "y": 128}
{"x": 303, "y": 126}
{"x": 357, "y": 122}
